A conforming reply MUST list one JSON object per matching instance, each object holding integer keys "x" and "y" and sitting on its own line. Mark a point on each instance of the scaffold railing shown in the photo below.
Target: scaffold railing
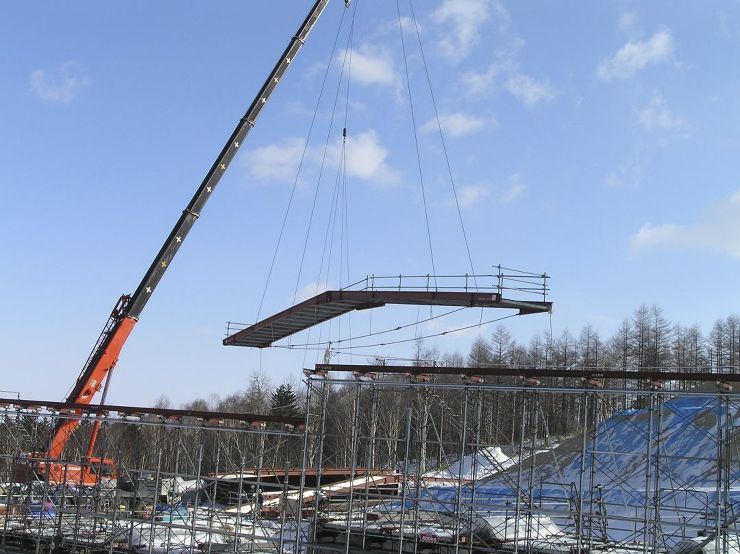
{"x": 505, "y": 281}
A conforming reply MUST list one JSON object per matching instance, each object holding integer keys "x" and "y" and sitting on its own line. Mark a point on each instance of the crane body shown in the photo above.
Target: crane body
{"x": 104, "y": 355}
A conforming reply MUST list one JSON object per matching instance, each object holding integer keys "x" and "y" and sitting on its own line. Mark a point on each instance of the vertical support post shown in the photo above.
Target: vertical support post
{"x": 580, "y": 518}
{"x": 177, "y": 472}
{"x": 594, "y": 424}
{"x": 373, "y": 423}
{"x": 256, "y": 488}
{"x": 302, "y": 482}
{"x": 320, "y": 462}
{"x": 476, "y": 454}
{"x": 534, "y": 412}
{"x": 461, "y": 456}
{"x": 727, "y": 460}
{"x": 197, "y": 484}
{"x": 369, "y": 463}
{"x": 217, "y": 469}
{"x": 61, "y": 505}
{"x": 152, "y": 519}
{"x": 240, "y": 493}
{"x": 648, "y": 474}
{"x": 353, "y": 464}
{"x": 719, "y": 477}
{"x": 657, "y": 527}
{"x": 287, "y": 508}
{"x": 421, "y": 465}
{"x": 78, "y": 500}
{"x": 423, "y": 431}
{"x": 404, "y": 493}
{"x": 11, "y": 477}
{"x": 42, "y": 501}
{"x": 518, "y": 491}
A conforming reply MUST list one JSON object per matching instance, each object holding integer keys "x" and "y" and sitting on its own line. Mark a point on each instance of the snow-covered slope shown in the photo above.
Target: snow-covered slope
{"x": 685, "y": 488}
{"x": 482, "y": 464}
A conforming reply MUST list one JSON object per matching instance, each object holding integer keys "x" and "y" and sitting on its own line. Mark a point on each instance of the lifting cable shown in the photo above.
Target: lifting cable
{"x": 324, "y": 155}
{"x": 442, "y": 139}
{"x": 300, "y": 166}
{"x": 416, "y": 140}
{"x": 345, "y": 210}
{"x": 329, "y": 234}
{"x": 339, "y": 200}
{"x": 444, "y": 147}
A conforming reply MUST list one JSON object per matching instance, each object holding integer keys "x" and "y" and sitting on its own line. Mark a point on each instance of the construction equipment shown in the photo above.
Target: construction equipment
{"x": 97, "y": 369}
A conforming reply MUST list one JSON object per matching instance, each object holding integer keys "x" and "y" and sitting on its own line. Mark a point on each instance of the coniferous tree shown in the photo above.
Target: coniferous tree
{"x": 284, "y": 401}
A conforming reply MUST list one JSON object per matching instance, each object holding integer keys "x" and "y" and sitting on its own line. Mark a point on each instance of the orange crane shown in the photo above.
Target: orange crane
{"x": 46, "y": 464}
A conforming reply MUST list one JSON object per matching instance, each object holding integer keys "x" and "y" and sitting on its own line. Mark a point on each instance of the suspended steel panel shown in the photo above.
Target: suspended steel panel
{"x": 333, "y": 303}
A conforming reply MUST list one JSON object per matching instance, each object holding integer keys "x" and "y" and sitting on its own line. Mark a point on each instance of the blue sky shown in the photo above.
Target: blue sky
{"x": 595, "y": 141}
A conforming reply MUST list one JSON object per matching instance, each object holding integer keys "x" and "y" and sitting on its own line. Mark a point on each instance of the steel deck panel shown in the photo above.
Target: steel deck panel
{"x": 333, "y": 303}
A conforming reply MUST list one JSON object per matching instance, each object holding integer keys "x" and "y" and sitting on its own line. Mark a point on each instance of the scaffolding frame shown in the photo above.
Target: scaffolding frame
{"x": 397, "y": 462}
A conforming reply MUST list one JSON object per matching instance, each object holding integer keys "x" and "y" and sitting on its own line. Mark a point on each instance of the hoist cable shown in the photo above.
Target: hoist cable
{"x": 416, "y": 140}
{"x": 328, "y": 242}
{"x": 323, "y": 160}
{"x": 345, "y": 211}
{"x": 444, "y": 144}
{"x": 300, "y": 166}
{"x": 341, "y": 171}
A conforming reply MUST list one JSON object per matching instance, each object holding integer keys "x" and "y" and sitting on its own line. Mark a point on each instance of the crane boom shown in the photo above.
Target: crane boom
{"x": 126, "y": 313}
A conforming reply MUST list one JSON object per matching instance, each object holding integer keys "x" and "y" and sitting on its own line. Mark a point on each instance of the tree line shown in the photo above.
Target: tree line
{"x": 377, "y": 419}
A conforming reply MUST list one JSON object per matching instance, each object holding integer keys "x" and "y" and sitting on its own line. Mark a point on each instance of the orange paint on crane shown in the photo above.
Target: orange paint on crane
{"x": 105, "y": 364}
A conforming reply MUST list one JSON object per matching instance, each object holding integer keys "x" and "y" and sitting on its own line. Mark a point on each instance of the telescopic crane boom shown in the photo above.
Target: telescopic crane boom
{"x": 127, "y": 310}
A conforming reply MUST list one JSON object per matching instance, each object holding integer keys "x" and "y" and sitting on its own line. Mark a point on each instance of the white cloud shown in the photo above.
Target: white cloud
{"x": 716, "y": 230}
{"x": 60, "y": 84}
{"x": 529, "y": 91}
{"x": 370, "y": 67}
{"x": 455, "y": 124}
{"x": 480, "y": 82}
{"x": 408, "y": 25}
{"x": 513, "y": 190}
{"x": 627, "y": 22}
{"x": 275, "y": 162}
{"x": 504, "y": 74}
{"x": 366, "y": 159}
{"x": 628, "y": 175}
{"x": 635, "y": 56}
{"x": 651, "y": 235}
{"x": 657, "y": 116}
{"x": 462, "y": 20}
{"x": 471, "y": 195}
{"x": 310, "y": 290}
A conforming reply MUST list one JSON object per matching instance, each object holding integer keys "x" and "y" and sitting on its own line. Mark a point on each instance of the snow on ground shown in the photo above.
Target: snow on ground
{"x": 681, "y": 478}
{"x": 482, "y": 464}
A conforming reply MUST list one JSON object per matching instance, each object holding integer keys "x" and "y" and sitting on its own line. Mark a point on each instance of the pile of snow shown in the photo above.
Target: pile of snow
{"x": 614, "y": 474}
{"x": 482, "y": 464}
